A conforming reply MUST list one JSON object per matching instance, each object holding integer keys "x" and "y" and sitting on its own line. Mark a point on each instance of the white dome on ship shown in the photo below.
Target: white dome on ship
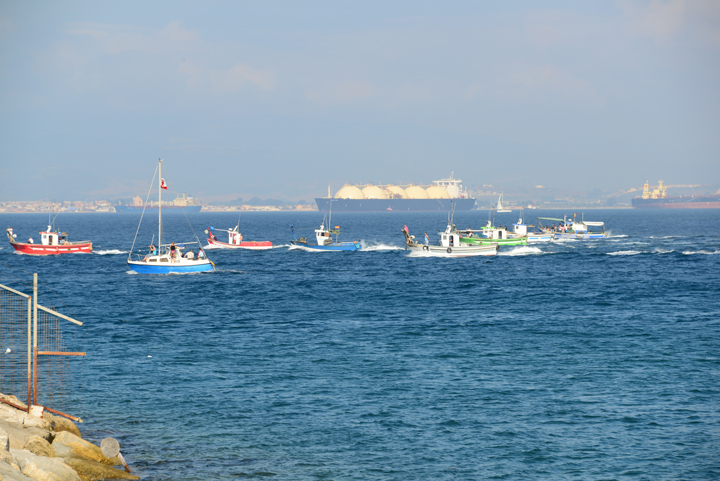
{"x": 396, "y": 191}
{"x": 349, "y": 192}
{"x": 374, "y": 192}
{"x": 437, "y": 192}
{"x": 416, "y": 192}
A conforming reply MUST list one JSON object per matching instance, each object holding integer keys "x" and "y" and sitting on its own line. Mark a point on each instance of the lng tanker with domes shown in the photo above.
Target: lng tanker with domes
{"x": 401, "y": 197}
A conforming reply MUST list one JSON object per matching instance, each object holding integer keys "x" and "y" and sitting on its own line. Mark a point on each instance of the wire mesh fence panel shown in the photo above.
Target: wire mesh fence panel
{"x": 14, "y": 311}
{"x": 59, "y": 377}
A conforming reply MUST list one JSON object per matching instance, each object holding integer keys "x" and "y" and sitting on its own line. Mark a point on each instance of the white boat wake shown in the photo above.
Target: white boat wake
{"x": 520, "y": 251}
{"x": 379, "y": 247}
{"x": 707, "y": 253}
{"x": 308, "y": 249}
{"x": 110, "y": 252}
{"x": 624, "y": 253}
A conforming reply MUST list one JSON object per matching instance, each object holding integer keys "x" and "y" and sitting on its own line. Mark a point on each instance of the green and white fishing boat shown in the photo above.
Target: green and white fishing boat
{"x": 490, "y": 234}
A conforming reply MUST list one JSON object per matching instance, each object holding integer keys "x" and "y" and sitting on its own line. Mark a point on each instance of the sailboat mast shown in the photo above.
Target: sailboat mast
{"x": 159, "y": 205}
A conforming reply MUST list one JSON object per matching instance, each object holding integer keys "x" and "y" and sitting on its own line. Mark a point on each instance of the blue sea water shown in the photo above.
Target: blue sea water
{"x": 571, "y": 360}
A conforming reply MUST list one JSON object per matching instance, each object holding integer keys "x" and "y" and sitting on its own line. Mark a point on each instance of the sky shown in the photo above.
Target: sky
{"x": 283, "y": 98}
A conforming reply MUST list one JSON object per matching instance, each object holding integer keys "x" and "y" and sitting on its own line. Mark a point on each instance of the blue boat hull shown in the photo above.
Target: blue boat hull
{"x": 335, "y": 246}
{"x": 558, "y": 235}
{"x": 143, "y": 268}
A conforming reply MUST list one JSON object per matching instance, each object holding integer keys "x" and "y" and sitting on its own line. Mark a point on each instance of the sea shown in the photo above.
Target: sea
{"x": 572, "y": 360}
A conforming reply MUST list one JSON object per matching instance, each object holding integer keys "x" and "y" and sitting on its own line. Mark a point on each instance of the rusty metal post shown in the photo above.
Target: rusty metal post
{"x": 29, "y": 352}
{"x": 34, "y": 338}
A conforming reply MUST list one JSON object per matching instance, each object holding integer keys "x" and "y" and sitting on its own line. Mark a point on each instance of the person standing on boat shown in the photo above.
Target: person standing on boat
{"x": 427, "y": 239}
{"x": 173, "y": 250}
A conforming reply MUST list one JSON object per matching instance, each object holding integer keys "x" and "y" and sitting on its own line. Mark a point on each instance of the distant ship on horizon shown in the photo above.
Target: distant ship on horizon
{"x": 180, "y": 204}
{"x": 658, "y": 199}
{"x": 441, "y": 195}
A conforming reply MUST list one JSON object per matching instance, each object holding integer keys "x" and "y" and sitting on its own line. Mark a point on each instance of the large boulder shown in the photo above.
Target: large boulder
{"x": 56, "y": 467}
{"x": 94, "y": 471}
{"x": 68, "y": 445}
{"x": 19, "y": 434}
{"x": 31, "y": 470}
{"x": 59, "y": 423}
{"x": 8, "y": 473}
{"x": 39, "y": 446}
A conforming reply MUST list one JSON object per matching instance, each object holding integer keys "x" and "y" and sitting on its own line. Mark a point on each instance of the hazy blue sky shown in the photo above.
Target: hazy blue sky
{"x": 280, "y": 98}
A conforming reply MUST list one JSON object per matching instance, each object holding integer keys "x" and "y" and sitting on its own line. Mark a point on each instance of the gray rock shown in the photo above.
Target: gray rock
{"x": 8, "y": 473}
{"x": 6, "y": 457}
{"x": 19, "y": 434}
{"x": 53, "y": 466}
{"x": 4, "y": 440}
{"x": 39, "y": 446}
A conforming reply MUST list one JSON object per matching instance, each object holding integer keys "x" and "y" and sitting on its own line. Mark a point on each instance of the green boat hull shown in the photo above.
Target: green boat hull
{"x": 518, "y": 241}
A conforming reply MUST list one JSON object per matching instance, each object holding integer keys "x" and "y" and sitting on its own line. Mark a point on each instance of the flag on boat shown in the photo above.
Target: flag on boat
{"x": 163, "y": 185}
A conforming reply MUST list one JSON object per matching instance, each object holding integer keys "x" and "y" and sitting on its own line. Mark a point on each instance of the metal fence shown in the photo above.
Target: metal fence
{"x": 40, "y": 360}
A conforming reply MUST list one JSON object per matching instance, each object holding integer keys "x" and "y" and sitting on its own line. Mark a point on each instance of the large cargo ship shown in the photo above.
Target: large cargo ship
{"x": 441, "y": 195}
{"x": 658, "y": 199}
{"x": 180, "y": 204}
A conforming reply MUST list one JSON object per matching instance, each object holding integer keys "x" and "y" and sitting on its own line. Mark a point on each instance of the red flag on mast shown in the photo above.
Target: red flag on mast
{"x": 163, "y": 185}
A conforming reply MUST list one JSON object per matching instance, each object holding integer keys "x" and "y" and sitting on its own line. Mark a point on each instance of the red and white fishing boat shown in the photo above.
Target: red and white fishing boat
{"x": 51, "y": 243}
{"x": 235, "y": 240}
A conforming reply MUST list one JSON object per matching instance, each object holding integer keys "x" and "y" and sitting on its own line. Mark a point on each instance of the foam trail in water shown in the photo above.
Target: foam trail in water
{"x": 379, "y": 247}
{"x": 707, "y": 253}
{"x": 624, "y": 253}
{"x": 109, "y": 252}
{"x": 520, "y": 251}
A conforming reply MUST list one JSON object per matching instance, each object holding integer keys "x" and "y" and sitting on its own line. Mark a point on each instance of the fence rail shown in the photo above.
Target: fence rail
{"x": 37, "y": 347}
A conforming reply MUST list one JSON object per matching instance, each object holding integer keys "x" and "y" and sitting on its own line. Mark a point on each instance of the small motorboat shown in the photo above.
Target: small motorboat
{"x": 325, "y": 241}
{"x": 52, "y": 242}
{"x": 235, "y": 240}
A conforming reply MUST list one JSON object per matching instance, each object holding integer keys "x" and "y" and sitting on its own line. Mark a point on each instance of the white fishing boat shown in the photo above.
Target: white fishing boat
{"x": 167, "y": 258}
{"x": 521, "y": 229}
{"x": 499, "y": 207}
{"x": 450, "y": 245}
{"x": 573, "y": 229}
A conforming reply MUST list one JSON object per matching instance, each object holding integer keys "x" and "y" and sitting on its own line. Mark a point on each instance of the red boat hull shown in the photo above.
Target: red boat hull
{"x": 43, "y": 250}
{"x": 261, "y": 245}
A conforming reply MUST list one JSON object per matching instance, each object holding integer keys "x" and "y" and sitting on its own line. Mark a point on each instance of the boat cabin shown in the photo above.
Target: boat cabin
{"x": 449, "y": 238}
{"x": 323, "y": 236}
{"x": 50, "y": 238}
{"x": 234, "y": 236}
{"x": 520, "y": 228}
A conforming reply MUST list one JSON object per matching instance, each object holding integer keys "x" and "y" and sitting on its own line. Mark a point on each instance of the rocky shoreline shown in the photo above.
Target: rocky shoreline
{"x": 49, "y": 448}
